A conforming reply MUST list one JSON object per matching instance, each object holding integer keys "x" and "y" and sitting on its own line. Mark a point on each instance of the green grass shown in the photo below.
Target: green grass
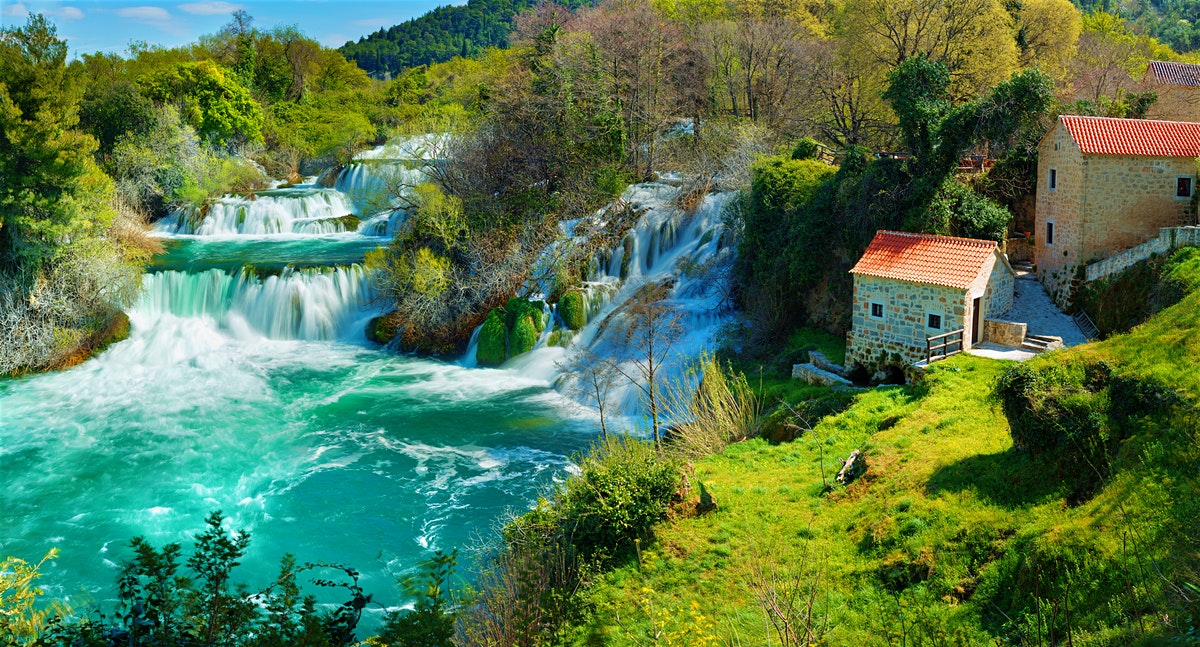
{"x": 945, "y": 540}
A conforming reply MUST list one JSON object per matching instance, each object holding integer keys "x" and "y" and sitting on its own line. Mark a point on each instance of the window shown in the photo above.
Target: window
{"x": 1053, "y": 179}
{"x": 877, "y": 310}
{"x": 1049, "y": 233}
{"x": 934, "y": 321}
{"x": 1183, "y": 186}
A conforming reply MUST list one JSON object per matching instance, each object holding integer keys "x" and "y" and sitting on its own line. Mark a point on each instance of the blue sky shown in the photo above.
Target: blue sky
{"x": 110, "y": 25}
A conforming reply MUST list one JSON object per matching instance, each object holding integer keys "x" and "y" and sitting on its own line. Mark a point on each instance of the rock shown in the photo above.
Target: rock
{"x": 852, "y": 467}
{"x": 813, "y": 375}
{"x": 294, "y": 178}
{"x": 707, "y": 502}
{"x": 818, "y": 359}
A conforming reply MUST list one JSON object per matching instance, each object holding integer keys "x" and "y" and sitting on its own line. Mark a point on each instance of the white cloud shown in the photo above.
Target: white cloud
{"x": 13, "y": 9}
{"x": 66, "y": 13}
{"x": 145, "y": 14}
{"x": 209, "y": 8}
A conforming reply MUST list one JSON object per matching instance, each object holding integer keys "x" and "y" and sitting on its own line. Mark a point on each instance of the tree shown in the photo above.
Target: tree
{"x": 972, "y": 38}
{"x": 651, "y": 330}
{"x": 430, "y": 623}
{"x": 211, "y": 101}
{"x": 52, "y": 190}
{"x": 1047, "y": 31}
{"x": 594, "y": 380}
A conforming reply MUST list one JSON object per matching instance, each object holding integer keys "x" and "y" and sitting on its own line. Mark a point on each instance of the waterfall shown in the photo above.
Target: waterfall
{"x": 277, "y": 211}
{"x": 313, "y": 304}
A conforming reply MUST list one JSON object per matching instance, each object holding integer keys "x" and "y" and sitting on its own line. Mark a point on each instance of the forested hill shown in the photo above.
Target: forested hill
{"x": 438, "y": 36}
{"x": 1174, "y": 22}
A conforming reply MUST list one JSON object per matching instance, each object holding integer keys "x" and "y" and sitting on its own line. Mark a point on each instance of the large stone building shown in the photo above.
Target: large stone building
{"x": 910, "y": 287}
{"x": 1178, "y": 89}
{"x": 1105, "y": 185}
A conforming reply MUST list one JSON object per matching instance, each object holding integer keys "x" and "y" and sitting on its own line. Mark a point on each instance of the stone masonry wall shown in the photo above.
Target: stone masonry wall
{"x": 998, "y": 296}
{"x": 1005, "y": 333}
{"x": 1056, "y": 262}
{"x": 1103, "y": 204}
{"x": 1168, "y": 239}
{"x": 902, "y": 330}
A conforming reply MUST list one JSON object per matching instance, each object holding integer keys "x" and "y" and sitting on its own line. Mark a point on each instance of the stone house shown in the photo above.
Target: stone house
{"x": 1178, "y": 89}
{"x": 910, "y": 287}
{"x": 1105, "y": 185}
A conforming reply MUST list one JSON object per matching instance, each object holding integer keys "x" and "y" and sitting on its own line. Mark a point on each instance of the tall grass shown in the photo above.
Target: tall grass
{"x": 711, "y": 406}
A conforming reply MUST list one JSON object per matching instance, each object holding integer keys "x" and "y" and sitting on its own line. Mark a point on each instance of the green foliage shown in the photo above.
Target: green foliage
{"x": 440, "y": 35}
{"x": 166, "y": 599}
{"x": 210, "y": 100}
{"x": 523, "y": 337}
{"x": 430, "y": 623}
{"x": 958, "y": 210}
{"x": 111, "y": 111}
{"x": 492, "y": 349}
{"x": 22, "y": 618}
{"x": 623, "y": 488}
{"x": 806, "y": 149}
{"x": 1118, "y": 303}
{"x": 52, "y": 190}
{"x": 572, "y": 311}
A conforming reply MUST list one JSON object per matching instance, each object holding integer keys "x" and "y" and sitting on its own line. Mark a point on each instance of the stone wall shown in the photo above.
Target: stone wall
{"x": 998, "y": 293}
{"x": 1103, "y": 204}
{"x": 1005, "y": 333}
{"x": 902, "y": 331}
{"x": 1175, "y": 102}
{"x": 1019, "y": 250}
{"x": 1168, "y": 239}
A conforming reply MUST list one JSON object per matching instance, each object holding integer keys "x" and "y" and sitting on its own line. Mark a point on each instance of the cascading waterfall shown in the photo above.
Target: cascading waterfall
{"x": 312, "y": 304}
{"x": 254, "y": 392}
{"x": 272, "y": 212}
{"x": 684, "y": 252}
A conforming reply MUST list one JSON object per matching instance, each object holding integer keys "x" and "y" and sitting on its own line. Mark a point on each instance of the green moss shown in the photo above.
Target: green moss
{"x": 381, "y": 330}
{"x": 348, "y": 222}
{"x": 571, "y": 310}
{"x": 518, "y": 308}
{"x": 491, "y": 350}
{"x": 524, "y": 337}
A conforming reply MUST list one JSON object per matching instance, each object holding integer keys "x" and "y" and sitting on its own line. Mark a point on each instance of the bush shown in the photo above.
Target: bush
{"x": 571, "y": 310}
{"x": 623, "y": 488}
{"x": 524, "y": 337}
{"x": 492, "y": 341}
{"x": 958, "y": 210}
{"x": 806, "y": 149}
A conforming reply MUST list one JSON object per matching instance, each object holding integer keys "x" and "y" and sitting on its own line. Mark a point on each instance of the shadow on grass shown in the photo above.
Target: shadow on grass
{"x": 1009, "y": 479}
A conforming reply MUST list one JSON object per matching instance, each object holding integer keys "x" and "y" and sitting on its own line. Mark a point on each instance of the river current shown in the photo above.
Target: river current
{"x": 247, "y": 386}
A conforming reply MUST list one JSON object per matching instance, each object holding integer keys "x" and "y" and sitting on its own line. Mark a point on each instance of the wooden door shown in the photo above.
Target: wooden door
{"x": 976, "y": 320}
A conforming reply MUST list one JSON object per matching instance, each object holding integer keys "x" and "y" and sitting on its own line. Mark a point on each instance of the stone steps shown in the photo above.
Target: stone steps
{"x": 1041, "y": 343}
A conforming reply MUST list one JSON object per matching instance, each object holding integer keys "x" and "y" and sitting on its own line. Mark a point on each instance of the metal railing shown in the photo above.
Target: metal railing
{"x": 934, "y": 352}
{"x": 1087, "y": 326}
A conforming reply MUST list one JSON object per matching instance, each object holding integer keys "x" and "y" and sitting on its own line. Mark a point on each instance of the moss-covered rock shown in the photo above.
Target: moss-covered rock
{"x": 491, "y": 350}
{"x": 572, "y": 311}
{"x": 381, "y": 330}
{"x": 524, "y": 337}
{"x": 348, "y": 222}
{"x": 518, "y": 308}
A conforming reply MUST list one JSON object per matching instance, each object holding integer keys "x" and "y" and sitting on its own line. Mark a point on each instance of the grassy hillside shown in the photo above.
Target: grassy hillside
{"x": 952, "y": 536}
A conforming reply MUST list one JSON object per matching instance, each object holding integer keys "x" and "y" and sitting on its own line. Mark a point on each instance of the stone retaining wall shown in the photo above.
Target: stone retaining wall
{"x": 1168, "y": 239}
{"x": 1005, "y": 333}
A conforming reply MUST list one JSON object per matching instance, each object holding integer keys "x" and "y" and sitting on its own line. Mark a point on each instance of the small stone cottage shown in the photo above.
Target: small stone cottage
{"x": 910, "y": 287}
{"x": 1105, "y": 185}
{"x": 1178, "y": 88}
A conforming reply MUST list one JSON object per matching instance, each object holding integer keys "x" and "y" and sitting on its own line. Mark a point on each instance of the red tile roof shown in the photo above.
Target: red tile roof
{"x": 925, "y": 258}
{"x": 1169, "y": 73}
{"x": 1109, "y": 136}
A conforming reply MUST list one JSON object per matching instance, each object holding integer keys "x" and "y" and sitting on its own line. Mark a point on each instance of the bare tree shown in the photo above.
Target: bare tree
{"x": 789, "y": 598}
{"x": 651, "y": 331}
{"x": 594, "y": 380}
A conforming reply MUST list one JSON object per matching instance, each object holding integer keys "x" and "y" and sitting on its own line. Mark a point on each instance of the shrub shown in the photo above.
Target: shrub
{"x": 806, "y": 149}
{"x": 623, "y": 488}
{"x": 524, "y": 337}
{"x": 571, "y": 310}
{"x": 492, "y": 347}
